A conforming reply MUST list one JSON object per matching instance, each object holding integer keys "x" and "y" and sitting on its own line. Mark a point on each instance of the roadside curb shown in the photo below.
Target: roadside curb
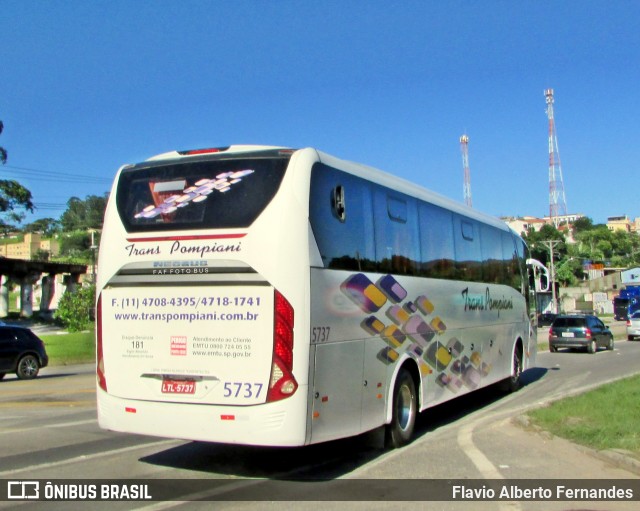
{"x": 617, "y": 457}
{"x": 621, "y": 458}
{"x": 37, "y": 327}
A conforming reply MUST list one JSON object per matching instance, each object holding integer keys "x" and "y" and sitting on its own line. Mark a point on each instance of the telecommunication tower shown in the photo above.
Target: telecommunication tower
{"x": 464, "y": 147}
{"x": 557, "y": 199}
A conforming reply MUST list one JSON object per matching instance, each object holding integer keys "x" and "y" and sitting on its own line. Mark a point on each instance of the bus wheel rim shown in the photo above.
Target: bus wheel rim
{"x": 405, "y": 407}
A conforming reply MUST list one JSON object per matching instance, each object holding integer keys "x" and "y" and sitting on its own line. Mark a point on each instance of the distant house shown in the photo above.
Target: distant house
{"x": 620, "y": 223}
{"x": 523, "y": 224}
{"x": 29, "y": 247}
{"x": 564, "y": 219}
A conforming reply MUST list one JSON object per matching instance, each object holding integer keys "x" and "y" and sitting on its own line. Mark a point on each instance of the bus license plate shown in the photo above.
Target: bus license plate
{"x": 178, "y": 387}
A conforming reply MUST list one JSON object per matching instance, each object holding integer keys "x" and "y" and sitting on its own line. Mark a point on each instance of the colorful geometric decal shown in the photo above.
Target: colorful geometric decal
{"x": 169, "y": 196}
{"x": 388, "y": 355}
{"x": 419, "y": 331}
{"x": 397, "y": 314}
{"x": 392, "y": 289}
{"x": 455, "y": 347}
{"x": 393, "y": 336}
{"x": 363, "y": 293}
{"x": 410, "y": 326}
{"x": 373, "y": 325}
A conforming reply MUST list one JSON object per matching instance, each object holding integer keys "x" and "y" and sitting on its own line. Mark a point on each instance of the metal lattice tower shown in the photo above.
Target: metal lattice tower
{"x": 464, "y": 147}
{"x": 557, "y": 199}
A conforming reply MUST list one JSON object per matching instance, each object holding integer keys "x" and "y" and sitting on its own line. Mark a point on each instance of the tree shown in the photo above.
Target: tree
{"x": 569, "y": 271}
{"x": 46, "y": 226}
{"x": 6, "y": 229}
{"x": 84, "y": 214}
{"x": 75, "y": 308}
{"x": 589, "y": 240}
{"x": 13, "y": 196}
{"x": 3, "y": 151}
{"x": 76, "y": 245}
{"x": 536, "y": 242}
{"x": 596, "y": 244}
{"x": 582, "y": 224}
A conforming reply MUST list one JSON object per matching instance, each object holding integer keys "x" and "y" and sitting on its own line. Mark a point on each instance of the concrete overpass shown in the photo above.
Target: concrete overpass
{"x": 26, "y": 274}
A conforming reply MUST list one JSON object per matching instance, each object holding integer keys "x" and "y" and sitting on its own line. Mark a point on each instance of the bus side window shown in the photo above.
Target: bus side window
{"x": 436, "y": 241}
{"x": 467, "y": 248}
{"x": 345, "y": 241}
{"x": 396, "y": 232}
{"x": 513, "y": 268}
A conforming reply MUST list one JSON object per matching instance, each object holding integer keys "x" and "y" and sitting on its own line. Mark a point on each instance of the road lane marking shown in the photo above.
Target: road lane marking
{"x": 42, "y": 404}
{"x": 481, "y": 462}
{"x": 477, "y": 457}
{"x": 202, "y": 495}
{"x": 40, "y": 392}
{"x": 87, "y": 457}
{"x": 40, "y": 428}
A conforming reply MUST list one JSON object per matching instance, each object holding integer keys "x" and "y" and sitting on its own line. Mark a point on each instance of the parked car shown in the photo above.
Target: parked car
{"x": 579, "y": 331}
{"x": 633, "y": 326}
{"x": 21, "y": 352}
{"x": 546, "y": 318}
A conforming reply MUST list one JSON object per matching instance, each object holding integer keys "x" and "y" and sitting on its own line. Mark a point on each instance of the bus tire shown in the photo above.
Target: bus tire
{"x": 513, "y": 382}
{"x": 404, "y": 411}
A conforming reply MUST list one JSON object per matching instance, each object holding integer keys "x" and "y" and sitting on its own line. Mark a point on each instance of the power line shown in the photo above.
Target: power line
{"x": 43, "y": 206}
{"x": 45, "y": 175}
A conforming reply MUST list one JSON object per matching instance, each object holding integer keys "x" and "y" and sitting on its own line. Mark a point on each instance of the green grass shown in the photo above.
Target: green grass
{"x": 73, "y": 348}
{"x": 605, "y": 418}
{"x": 543, "y": 346}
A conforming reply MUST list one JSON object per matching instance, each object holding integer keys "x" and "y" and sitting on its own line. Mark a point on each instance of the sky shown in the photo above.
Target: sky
{"x": 87, "y": 86}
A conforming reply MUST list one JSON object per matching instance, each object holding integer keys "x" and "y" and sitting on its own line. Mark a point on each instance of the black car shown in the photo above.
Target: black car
{"x": 579, "y": 331}
{"x": 21, "y": 352}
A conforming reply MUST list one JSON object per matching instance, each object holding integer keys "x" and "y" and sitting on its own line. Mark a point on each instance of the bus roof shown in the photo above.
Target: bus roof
{"x": 410, "y": 188}
{"x": 357, "y": 169}
{"x": 213, "y": 150}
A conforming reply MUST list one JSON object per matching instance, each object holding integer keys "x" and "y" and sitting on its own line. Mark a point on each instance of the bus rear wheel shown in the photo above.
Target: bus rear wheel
{"x": 512, "y": 383}
{"x": 405, "y": 410}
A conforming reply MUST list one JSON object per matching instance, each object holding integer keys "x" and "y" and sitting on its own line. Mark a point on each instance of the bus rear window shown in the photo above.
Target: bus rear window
{"x": 202, "y": 194}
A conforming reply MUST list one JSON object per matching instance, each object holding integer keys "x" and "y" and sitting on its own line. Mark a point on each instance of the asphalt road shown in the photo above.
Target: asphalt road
{"x": 48, "y": 429}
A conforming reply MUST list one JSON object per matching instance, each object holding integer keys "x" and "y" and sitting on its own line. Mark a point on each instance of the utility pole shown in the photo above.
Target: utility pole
{"x": 93, "y": 249}
{"x": 551, "y": 244}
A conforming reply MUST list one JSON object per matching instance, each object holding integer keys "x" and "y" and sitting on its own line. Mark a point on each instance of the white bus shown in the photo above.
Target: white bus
{"x": 270, "y": 296}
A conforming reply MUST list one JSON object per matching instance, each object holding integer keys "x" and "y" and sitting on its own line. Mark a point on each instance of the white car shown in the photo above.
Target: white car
{"x": 633, "y": 326}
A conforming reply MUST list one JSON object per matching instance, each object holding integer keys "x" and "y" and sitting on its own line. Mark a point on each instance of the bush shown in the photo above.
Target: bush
{"x": 75, "y": 309}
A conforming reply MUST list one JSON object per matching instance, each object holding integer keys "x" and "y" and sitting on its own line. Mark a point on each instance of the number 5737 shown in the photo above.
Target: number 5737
{"x": 242, "y": 389}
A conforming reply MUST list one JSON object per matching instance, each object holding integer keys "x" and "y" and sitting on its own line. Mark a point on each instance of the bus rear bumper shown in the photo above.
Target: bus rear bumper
{"x": 279, "y": 424}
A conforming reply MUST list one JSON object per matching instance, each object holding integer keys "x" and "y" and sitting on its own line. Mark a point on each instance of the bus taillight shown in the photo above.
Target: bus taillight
{"x": 209, "y": 150}
{"x": 102, "y": 381}
{"x": 282, "y": 383}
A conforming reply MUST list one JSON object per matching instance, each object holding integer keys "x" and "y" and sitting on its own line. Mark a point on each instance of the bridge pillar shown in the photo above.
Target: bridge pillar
{"x": 48, "y": 291}
{"x": 26, "y": 294}
{"x": 71, "y": 282}
{"x": 4, "y": 296}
